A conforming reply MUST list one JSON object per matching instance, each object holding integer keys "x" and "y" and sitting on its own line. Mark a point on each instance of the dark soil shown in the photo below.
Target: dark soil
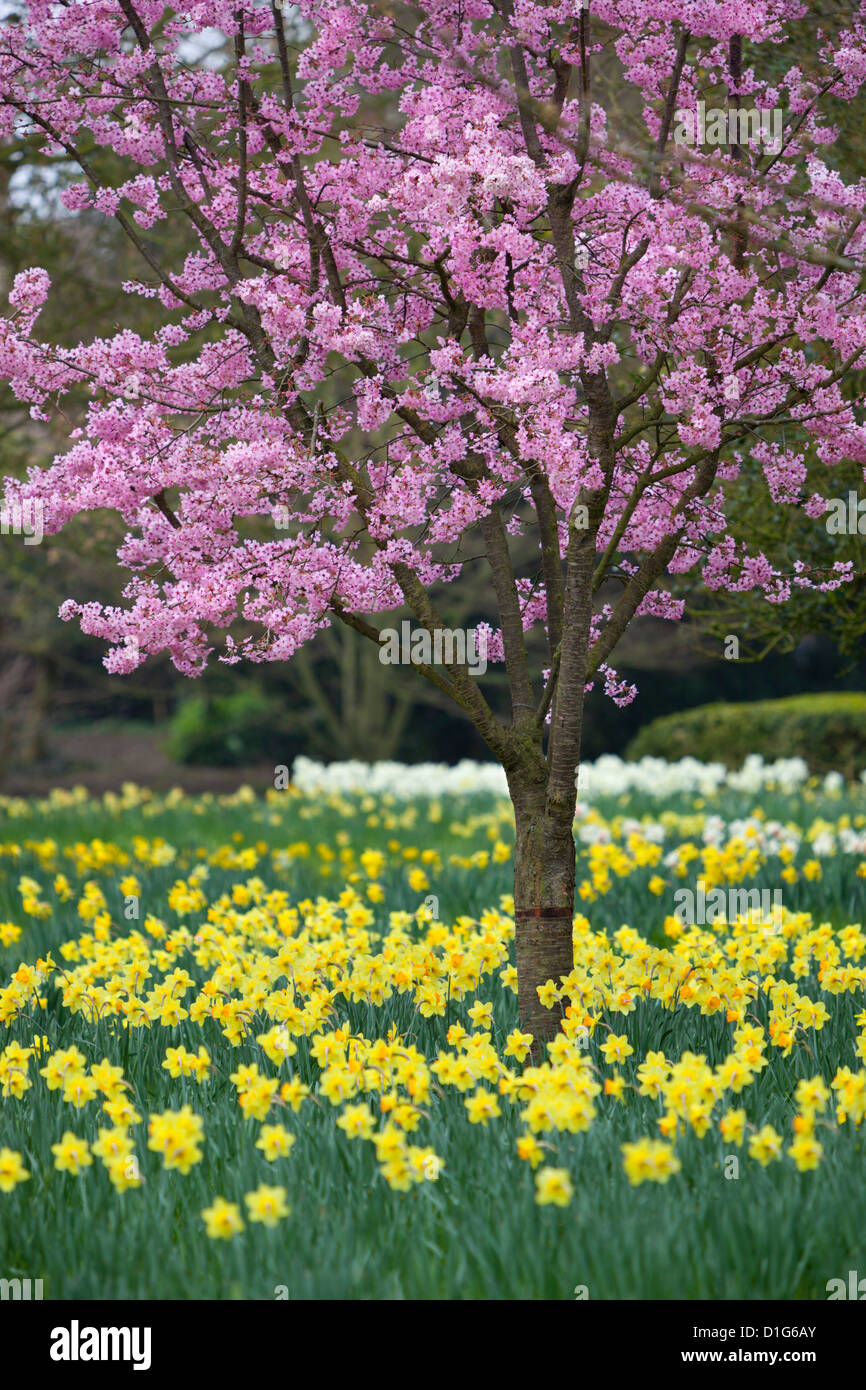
{"x": 103, "y": 759}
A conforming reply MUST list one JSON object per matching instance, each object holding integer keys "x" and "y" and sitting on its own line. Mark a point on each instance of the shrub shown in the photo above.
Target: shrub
{"x": 227, "y": 730}
{"x": 828, "y": 731}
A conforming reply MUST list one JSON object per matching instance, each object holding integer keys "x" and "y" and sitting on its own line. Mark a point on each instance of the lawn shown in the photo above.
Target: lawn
{"x": 265, "y": 1048}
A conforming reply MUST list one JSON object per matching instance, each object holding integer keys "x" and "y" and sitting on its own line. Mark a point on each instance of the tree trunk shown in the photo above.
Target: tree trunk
{"x": 13, "y": 675}
{"x": 544, "y": 874}
{"x": 34, "y": 750}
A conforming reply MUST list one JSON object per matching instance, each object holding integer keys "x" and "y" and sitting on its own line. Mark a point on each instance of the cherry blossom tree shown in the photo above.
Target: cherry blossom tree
{"x": 459, "y": 273}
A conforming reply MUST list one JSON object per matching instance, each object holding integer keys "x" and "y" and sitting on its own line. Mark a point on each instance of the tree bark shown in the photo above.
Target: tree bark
{"x": 544, "y": 877}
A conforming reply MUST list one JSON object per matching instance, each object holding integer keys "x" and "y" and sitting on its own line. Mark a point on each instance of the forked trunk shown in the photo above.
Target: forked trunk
{"x": 544, "y": 869}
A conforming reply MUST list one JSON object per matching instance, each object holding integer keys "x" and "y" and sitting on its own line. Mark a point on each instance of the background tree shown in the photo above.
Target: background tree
{"x": 415, "y": 341}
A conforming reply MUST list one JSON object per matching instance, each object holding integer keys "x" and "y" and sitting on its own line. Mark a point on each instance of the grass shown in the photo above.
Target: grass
{"x": 477, "y": 1232}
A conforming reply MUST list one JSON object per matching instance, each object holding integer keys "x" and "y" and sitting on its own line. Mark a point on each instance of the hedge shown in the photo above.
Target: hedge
{"x": 228, "y": 730}
{"x": 828, "y": 731}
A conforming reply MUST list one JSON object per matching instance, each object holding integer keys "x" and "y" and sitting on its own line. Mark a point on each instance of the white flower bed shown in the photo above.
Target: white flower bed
{"x": 607, "y": 776}
{"x": 403, "y": 780}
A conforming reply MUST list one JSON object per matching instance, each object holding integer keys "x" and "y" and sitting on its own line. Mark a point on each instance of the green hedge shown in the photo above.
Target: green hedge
{"x": 228, "y": 730}
{"x": 828, "y": 731}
